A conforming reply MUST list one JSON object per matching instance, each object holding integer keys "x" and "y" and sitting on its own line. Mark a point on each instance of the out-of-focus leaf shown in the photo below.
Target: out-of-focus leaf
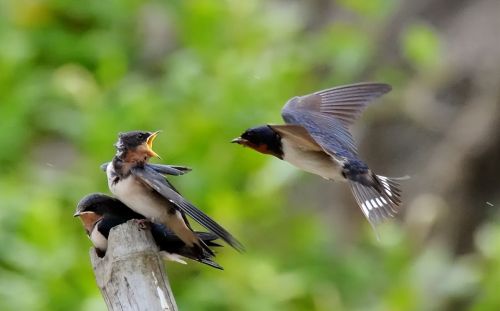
{"x": 421, "y": 45}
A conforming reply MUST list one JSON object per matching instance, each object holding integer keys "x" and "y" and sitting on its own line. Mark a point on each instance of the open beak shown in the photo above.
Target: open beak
{"x": 149, "y": 144}
{"x": 239, "y": 141}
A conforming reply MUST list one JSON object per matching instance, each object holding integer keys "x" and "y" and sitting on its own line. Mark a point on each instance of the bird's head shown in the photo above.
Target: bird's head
{"x": 262, "y": 139}
{"x": 95, "y": 206}
{"x": 91, "y": 209}
{"x": 97, "y": 203}
{"x": 136, "y": 146}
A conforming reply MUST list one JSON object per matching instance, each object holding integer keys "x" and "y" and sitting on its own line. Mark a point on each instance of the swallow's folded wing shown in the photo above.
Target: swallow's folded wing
{"x": 169, "y": 242}
{"x": 174, "y": 170}
{"x": 164, "y": 169}
{"x": 157, "y": 182}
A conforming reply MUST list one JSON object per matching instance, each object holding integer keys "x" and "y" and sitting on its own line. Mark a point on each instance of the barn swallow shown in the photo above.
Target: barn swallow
{"x": 146, "y": 191}
{"x": 316, "y": 139}
{"x": 100, "y": 213}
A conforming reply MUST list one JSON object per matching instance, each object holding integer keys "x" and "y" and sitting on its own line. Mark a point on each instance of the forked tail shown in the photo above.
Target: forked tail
{"x": 379, "y": 197}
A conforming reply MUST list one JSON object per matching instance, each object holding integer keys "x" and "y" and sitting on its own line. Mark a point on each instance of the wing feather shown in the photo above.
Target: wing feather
{"x": 344, "y": 102}
{"x": 326, "y": 115}
{"x": 157, "y": 182}
{"x": 164, "y": 169}
{"x": 298, "y": 134}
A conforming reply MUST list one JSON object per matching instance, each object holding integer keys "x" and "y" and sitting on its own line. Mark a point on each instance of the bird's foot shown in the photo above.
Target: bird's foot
{"x": 144, "y": 224}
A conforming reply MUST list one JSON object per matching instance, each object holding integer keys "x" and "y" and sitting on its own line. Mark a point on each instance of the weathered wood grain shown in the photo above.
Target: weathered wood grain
{"x": 132, "y": 275}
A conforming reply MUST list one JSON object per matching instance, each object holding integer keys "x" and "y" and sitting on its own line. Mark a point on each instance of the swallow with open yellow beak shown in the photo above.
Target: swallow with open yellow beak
{"x": 316, "y": 139}
{"x": 147, "y": 192}
{"x": 100, "y": 213}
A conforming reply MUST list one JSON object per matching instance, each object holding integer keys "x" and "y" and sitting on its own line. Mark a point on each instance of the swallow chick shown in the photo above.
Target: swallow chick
{"x": 316, "y": 139}
{"x": 100, "y": 213}
{"x": 145, "y": 190}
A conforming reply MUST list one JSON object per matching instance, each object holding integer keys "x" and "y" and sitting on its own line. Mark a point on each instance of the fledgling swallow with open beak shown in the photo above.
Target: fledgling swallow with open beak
{"x": 100, "y": 213}
{"x": 316, "y": 139}
{"x": 145, "y": 190}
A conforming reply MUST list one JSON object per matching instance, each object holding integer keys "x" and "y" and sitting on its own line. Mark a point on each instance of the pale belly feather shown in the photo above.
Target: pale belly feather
{"x": 139, "y": 199}
{"x": 315, "y": 162}
{"x": 99, "y": 241}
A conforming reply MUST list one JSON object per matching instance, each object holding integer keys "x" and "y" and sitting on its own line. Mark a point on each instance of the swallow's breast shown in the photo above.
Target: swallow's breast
{"x": 316, "y": 162}
{"x": 139, "y": 198}
{"x": 100, "y": 242}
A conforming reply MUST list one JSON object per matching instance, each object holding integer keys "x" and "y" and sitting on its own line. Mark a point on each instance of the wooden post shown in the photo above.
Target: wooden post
{"x": 132, "y": 275}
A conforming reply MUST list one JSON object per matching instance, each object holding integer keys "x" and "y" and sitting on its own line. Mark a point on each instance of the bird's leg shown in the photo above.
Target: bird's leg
{"x": 144, "y": 224}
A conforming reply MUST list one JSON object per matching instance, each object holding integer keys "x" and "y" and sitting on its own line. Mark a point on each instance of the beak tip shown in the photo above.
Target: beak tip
{"x": 236, "y": 140}
{"x": 149, "y": 144}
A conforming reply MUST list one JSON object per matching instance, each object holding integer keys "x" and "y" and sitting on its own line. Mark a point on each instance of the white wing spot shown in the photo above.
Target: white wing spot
{"x": 373, "y": 203}
{"x": 365, "y": 210}
{"x": 388, "y": 192}
{"x": 370, "y": 207}
{"x": 383, "y": 200}
{"x": 379, "y": 202}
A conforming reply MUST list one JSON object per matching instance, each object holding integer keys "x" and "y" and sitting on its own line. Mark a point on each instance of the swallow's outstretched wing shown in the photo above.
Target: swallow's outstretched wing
{"x": 344, "y": 103}
{"x": 149, "y": 177}
{"x": 164, "y": 169}
{"x": 326, "y": 116}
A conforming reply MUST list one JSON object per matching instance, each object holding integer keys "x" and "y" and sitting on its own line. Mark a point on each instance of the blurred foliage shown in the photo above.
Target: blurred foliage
{"x": 74, "y": 74}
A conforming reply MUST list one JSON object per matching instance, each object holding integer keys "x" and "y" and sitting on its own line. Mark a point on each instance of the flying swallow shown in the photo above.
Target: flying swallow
{"x": 316, "y": 139}
{"x": 100, "y": 213}
{"x": 145, "y": 190}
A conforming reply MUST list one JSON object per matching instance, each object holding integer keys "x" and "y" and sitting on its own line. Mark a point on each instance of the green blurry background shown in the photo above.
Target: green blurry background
{"x": 75, "y": 73}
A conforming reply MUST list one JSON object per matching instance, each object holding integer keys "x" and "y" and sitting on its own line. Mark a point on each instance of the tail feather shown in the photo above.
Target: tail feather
{"x": 379, "y": 197}
{"x": 211, "y": 263}
{"x": 200, "y": 249}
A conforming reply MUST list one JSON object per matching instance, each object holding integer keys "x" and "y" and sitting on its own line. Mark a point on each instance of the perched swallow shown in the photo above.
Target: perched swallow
{"x": 100, "y": 213}
{"x": 316, "y": 139}
{"x": 146, "y": 191}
